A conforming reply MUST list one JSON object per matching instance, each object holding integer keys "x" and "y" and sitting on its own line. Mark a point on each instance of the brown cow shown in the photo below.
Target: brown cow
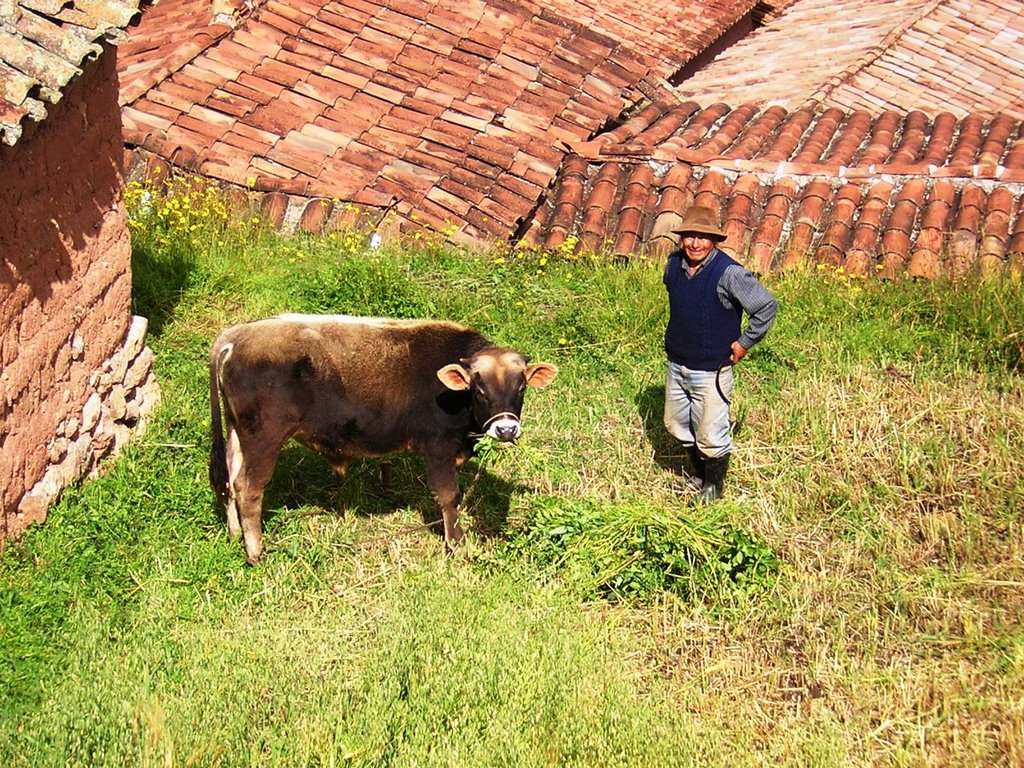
{"x": 354, "y": 386}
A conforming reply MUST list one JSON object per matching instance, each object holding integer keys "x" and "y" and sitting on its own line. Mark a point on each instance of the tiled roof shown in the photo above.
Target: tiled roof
{"x": 670, "y": 31}
{"x": 880, "y": 194}
{"x": 43, "y": 44}
{"x": 445, "y": 112}
{"x": 173, "y": 33}
{"x": 961, "y": 56}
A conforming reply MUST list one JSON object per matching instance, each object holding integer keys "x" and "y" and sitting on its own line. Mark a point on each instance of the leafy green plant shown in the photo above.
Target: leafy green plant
{"x": 633, "y": 550}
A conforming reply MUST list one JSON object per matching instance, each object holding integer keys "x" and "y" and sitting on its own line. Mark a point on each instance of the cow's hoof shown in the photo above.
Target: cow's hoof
{"x": 455, "y": 547}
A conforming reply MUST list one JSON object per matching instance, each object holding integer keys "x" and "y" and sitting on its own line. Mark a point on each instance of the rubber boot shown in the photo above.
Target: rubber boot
{"x": 714, "y": 478}
{"x": 694, "y": 469}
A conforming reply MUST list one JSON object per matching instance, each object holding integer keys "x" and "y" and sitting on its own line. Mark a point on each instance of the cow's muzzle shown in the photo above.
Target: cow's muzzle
{"x": 503, "y": 426}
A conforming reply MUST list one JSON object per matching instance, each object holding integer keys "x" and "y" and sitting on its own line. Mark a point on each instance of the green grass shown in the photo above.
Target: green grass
{"x": 855, "y": 600}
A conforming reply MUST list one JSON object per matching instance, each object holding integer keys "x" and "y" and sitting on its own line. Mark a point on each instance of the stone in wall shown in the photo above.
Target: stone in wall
{"x": 124, "y": 392}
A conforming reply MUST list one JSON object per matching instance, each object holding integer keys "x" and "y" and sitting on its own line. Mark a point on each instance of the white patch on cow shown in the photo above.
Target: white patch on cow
{"x": 222, "y": 358}
{"x": 499, "y": 428}
{"x": 235, "y": 460}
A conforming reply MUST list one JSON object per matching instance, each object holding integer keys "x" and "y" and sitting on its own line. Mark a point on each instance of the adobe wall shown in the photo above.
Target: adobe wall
{"x": 75, "y": 375}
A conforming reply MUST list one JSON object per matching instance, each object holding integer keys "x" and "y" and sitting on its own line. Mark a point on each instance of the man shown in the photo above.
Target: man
{"x": 708, "y": 293}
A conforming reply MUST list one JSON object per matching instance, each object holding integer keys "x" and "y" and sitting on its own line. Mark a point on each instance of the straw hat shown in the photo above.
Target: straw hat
{"x": 701, "y": 221}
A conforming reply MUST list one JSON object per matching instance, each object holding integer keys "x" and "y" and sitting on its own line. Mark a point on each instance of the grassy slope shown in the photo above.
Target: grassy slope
{"x": 877, "y": 440}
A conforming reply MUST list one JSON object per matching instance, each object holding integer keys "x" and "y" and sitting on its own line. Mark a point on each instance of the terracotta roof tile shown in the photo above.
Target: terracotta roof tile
{"x": 1015, "y": 246}
{"x": 461, "y": 113}
{"x": 862, "y": 253}
{"x": 816, "y": 187}
{"x": 807, "y": 222}
{"x": 933, "y": 55}
{"x": 168, "y": 36}
{"x": 391, "y": 74}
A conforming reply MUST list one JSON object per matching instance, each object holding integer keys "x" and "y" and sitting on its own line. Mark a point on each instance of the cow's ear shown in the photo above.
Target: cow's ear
{"x": 454, "y": 376}
{"x": 540, "y": 374}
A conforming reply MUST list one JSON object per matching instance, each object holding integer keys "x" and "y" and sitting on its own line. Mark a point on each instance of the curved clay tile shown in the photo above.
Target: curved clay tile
{"x": 940, "y": 140}
{"x": 757, "y": 133}
{"x": 636, "y": 199}
{"x": 850, "y": 138}
{"x": 915, "y": 127}
{"x": 806, "y": 222}
{"x": 674, "y": 199}
{"x": 883, "y": 135}
{"x": 668, "y": 124}
{"x": 996, "y": 141}
{"x": 789, "y": 135}
{"x": 639, "y": 122}
{"x": 897, "y": 232}
{"x": 568, "y": 201}
{"x": 739, "y": 213}
{"x": 742, "y": 201}
{"x": 1015, "y": 247}
{"x": 863, "y": 250}
{"x": 678, "y": 177}
{"x": 594, "y": 226}
{"x": 968, "y": 142}
{"x": 727, "y": 132}
{"x": 963, "y": 245}
{"x": 776, "y": 212}
{"x": 274, "y": 207}
{"x": 1015, "y": 157}
{"x": 697, "y": 128}
{"x": 836, "y": 238}
{"x": 315, "y": 215}
{"x": 931, "y": 240}
{"x": 992, "y": 253}
{"x": 711, "y": 190}
{"x": 820, "y": 137}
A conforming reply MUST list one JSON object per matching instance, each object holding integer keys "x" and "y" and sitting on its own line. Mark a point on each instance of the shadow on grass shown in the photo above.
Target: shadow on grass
{"x": 668, "y": 452}
{"x": 158, "y": 281}
{"x": 303, "y": 478}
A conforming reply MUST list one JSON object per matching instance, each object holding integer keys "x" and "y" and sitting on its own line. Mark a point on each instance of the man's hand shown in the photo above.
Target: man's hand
{"x": 738, "y": 353}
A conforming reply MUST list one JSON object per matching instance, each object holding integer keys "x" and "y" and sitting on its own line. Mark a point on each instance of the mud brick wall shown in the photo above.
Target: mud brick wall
{"x": 76, "y": 375}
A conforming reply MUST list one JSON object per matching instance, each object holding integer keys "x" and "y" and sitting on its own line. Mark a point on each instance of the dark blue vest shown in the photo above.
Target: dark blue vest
{"x": 700, "y": 330}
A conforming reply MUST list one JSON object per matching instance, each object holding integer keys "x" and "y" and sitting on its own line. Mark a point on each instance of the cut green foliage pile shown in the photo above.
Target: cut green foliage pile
{"x": 633, "y": 551}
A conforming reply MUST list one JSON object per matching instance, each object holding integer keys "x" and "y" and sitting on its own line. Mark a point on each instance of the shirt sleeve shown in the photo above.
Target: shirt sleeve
{"x": 739, "y": 286}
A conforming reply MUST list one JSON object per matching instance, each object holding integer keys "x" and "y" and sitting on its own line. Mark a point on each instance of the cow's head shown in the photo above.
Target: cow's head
{"x": 497, "y": 379}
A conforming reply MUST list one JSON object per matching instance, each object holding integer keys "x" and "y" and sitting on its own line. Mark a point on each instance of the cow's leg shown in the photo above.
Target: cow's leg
{"x": 444, "y": 484}
{"x": 256, "y": 468}
{"x": 234, "y": 462}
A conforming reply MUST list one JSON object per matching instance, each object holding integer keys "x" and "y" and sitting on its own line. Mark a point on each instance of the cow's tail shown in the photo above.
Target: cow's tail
{"x": 218, "y": 453}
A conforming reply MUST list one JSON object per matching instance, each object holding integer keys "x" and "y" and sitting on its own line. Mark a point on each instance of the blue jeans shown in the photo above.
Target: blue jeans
{"x": 695, "y": 413}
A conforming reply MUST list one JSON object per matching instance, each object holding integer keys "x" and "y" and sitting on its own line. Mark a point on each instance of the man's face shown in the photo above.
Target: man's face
{"x": 697, "y": 247}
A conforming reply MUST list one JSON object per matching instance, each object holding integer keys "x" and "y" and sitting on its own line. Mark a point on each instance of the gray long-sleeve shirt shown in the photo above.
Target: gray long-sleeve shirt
{"x": 739, "y": 285}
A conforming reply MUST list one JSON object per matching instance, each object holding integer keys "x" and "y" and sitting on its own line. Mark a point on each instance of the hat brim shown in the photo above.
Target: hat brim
{"x": 714, "y": 234}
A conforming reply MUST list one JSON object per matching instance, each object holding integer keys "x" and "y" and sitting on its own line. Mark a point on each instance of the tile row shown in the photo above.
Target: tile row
{"x": 938, "y": 210}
